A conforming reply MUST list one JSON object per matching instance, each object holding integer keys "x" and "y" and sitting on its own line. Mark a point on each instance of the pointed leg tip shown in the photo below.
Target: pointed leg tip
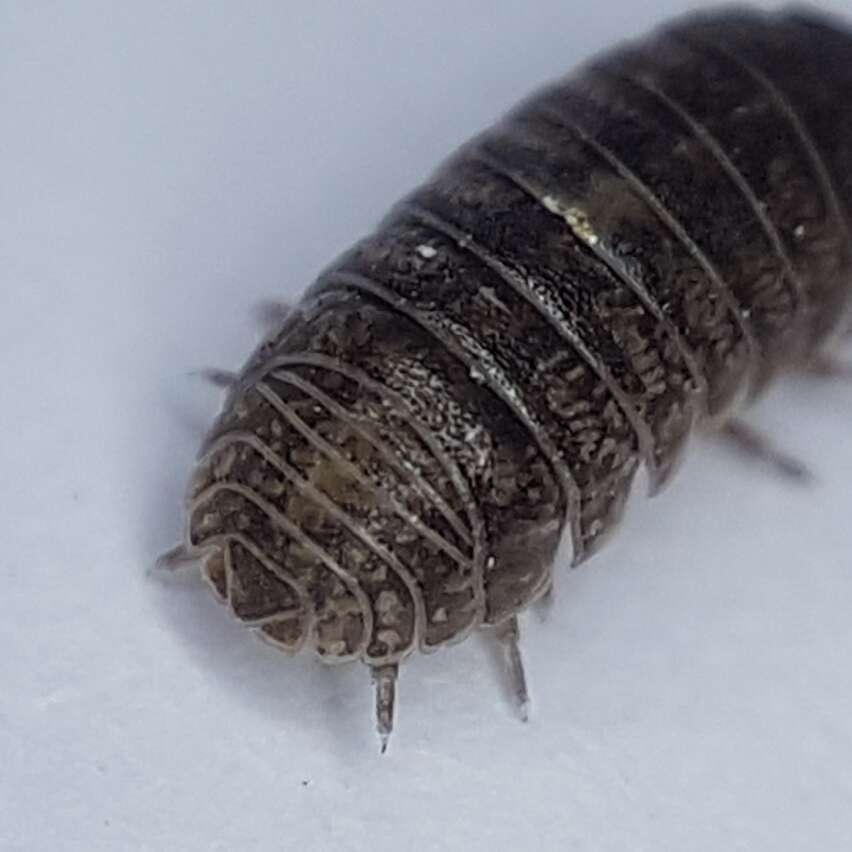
{"x": 755, "y": 445}
{"x": 508, "y": 635}
{"x": 172, "y": 560}
{"x": 223, "y": 379}
{"x": 384, "y": 678}
{"x": 166, "y": 562}
{"x": 796, "y": 471}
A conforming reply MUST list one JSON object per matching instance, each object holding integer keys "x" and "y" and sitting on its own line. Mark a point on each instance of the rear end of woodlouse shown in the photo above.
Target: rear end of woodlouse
{"x": 629, "y": 255}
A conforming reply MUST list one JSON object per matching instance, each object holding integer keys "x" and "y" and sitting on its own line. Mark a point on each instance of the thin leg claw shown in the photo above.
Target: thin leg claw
{"x": 508, "y": 635}
{"x": 219, "y": 378}
{"x": 174, "y": 559}
{"x": 384, "y": 679}
{"x": 752, "y": 443}
{"x": 828, "y": 367}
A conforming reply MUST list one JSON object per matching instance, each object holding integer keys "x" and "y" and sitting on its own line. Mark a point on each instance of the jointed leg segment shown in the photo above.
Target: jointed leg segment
{"x": 384, "y": 679}
{"x": 756, "y": 445}
{"x": 508, "y": 635}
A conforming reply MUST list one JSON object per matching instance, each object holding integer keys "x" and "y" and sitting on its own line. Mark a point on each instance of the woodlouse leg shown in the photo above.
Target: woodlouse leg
{"x": 544, "y": 605}
{"x": 384, "y": 680}
{"x": 271, "y": 313}
{"x": 508, "y": 635}
{"x": 219, "y": 378}
{"x": 829, "y": 367}
{"x": 174, "y": 559}
{"x": 752, "y": 443}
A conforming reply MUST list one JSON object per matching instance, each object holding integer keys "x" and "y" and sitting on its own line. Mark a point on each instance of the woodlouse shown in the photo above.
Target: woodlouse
{"x": 630, "y": 254}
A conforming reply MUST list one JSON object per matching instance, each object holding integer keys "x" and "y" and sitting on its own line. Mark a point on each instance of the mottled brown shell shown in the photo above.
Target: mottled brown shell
{"x": 629, "y": 254}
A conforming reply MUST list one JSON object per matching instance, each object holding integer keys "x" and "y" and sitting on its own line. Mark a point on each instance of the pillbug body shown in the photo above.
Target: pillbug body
{"x": 627, "y": 256}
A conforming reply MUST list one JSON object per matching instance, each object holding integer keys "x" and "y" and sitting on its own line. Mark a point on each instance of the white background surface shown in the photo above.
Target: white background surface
{"x": 163, "y": 167}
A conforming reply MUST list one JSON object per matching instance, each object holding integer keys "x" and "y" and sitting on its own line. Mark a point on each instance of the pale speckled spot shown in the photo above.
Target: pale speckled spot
{"x": 440, "y": 615}
{"x": 390, "y": 638}
{"x": 337, "y": 648}
{"x": 388, "y": 607}
{"x": 473, "y": 433}
{"x": 576, "y": 218}
{"x": 426, "y": 252}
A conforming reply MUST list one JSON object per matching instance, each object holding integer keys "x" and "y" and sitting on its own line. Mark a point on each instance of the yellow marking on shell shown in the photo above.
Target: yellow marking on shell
{"x": 577, "y": 219}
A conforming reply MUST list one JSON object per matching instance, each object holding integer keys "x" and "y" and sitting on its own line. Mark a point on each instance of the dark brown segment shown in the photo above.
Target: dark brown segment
{"x": 444, "y": 578}
{"x": 658, "y": 147}
{"x": 255, "y": 593}
{"x": 237, "y": 463}
{"x": 432, "y": 472}
{"x": 605, "y": 209}
{"x": 227, "y": 508}
{"x": 312, "y": 423}
{"x": 284, "y": 633}
{"x": 499, "y": 369}
{"x": 452, "y": 596}
{"x": 575, "y": 294}
{"x": 414, "y": 457}
{"x": 452, "y": 289}
{"x": 514, "y": 485}
{"x": 805, "y": 71}
{"x": 393, "y": 351}
{"x": 729, "y": 106}
{"x": 216, "y": 573}
{"x": 348, "y": 508}
{"x": 420, "y": 474}
{"x": 220, "y": 515}
{"x": 338, "y": 632}
{"x": 631, "y": 355}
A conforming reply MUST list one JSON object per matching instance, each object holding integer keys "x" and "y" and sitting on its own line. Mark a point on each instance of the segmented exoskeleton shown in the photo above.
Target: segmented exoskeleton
{"x": 630, "y": 254}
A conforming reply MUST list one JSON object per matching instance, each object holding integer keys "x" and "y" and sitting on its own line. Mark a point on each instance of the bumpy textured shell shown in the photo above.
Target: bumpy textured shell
{"x": 629, "y": 254}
